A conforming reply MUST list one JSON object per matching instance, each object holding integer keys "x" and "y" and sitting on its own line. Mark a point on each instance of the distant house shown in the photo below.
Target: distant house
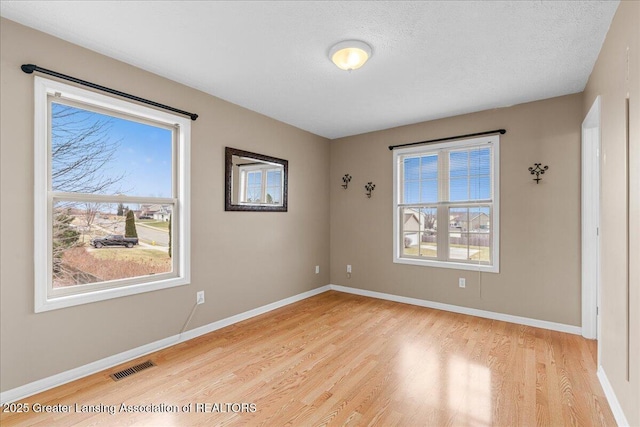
{"x": 475, "y": 222}
{"x": 415, "y": 220}
{"x": 418, "y": 226}
{"x": 411, "y": 221}
{"x": 155, "y": 211}
{"x": 480, "y": 222}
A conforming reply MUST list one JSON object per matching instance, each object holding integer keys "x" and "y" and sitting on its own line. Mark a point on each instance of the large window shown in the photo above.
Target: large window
{"x": 446, "y": 205}
{"x": 111, "y": 199}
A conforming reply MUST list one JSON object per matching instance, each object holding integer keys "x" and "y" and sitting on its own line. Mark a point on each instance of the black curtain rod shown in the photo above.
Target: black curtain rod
{"x": 30, "y": 68}
{"x": 449, "y": 138}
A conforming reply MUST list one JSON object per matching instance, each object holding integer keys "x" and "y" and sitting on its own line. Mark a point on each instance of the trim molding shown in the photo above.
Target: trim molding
{"x": 193, "y": 333}
{"x": 117, "y": 359}
{"x": 590, "y": 208}
{"x": 618, "y": 413}
{"x": 111, "y": 361}
{"x": 560, "y": 327}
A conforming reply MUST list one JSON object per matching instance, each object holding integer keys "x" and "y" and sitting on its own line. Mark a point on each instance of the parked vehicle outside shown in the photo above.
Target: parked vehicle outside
{"x": 114, "y": 240}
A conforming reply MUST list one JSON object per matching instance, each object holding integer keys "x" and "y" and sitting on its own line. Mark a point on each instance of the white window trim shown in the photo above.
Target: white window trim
{"x": 264, "y": 168}
{"x": 495, "y": 229}
{"x": 43, "y": 300}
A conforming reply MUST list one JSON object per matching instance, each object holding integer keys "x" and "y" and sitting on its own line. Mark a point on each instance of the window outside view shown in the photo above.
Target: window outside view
{"x": 273, "y": 189}
{"x": 254, "y": 187}
{"x": 262, "y": 185}
{"x": 94, "y": 156}
{"x": 467, "y": 204}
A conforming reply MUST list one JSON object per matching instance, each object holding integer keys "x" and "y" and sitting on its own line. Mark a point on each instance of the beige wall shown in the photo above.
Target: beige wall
{"x": 613, "y": 79}
{"x": 539, "y": 224}
{"x": 275, "y": 252}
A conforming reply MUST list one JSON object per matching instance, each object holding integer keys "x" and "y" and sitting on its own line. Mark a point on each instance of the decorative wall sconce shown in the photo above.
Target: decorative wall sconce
{"x": 537, "y": 171}
{"x": 346, "y": 179}
{"x": 369, "y": 187}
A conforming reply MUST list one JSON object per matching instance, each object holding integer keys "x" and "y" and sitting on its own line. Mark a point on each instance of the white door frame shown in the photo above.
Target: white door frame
{"x": 591, "y": 223}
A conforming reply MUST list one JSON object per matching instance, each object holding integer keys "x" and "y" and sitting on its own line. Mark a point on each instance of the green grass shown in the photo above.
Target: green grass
{"x": 153, "y": 223}
{"x": 426, "y": 252}
{"x": 133, "y": 254}
{"x": 484, "y": 254}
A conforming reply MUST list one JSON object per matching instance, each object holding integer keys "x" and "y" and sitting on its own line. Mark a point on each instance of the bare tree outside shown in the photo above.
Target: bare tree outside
{"x": 90, "y": 212}
{"x": 122, "y": 209}
{"x": 430, "y": 221}
{"x": 81, "y": 148}
{"x": 95, "y": 158}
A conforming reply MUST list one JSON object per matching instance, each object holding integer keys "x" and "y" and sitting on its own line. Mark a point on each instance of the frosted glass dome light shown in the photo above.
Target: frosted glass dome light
{"x": 350, "y": 54}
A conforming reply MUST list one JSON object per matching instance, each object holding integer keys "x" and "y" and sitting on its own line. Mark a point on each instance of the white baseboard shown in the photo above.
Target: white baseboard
{"x": 111, "y": 361}
{"x": 83, "y": 371}
{"x": 108, "y": 362}
{"x": 618, "y": 413}
{"x": 193, "y": 333}
{"x": 560, "y": 327}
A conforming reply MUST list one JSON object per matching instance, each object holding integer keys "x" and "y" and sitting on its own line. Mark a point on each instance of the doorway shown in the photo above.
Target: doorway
{"x": 591, "y": 223}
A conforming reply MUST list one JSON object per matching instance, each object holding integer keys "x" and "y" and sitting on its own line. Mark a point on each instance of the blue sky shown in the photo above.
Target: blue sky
{"x": 469, "y": 176}
{"x": 143, "y": 157}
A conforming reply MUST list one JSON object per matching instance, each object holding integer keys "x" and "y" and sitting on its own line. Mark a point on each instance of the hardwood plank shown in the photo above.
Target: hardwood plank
{"x": 340, "y": 359}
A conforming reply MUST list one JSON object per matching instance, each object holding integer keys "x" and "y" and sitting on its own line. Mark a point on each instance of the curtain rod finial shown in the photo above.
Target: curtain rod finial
{"x": 28, "y": 68}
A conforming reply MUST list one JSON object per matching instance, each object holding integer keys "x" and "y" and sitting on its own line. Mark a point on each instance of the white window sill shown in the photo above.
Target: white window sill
{"x": 448, "y": 264}
{"x": 43, "y": 303}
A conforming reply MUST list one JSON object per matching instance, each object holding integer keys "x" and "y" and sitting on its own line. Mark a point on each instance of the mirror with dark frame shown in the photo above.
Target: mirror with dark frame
{"x": 255, "y": 182}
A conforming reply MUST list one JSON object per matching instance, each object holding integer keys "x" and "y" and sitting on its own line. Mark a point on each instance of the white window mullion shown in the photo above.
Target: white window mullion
{"x": 420, "y": 179}
{"x": 176, "y": 169}
{"x": 469, "y": 175}
{"x": 443, "y": 232}
{"x": 495, "y": 204}
{"x": 263, "y": 186}
{"x": 243, "y": 186}
{"x": 399, "y": 183}
{"x": 443, "y": 210}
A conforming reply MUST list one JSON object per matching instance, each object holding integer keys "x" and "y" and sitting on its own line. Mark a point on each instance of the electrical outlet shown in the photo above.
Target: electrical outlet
{"x": 200, "y": 297}
{"x": 317, "y": 269}
{"x": 462, "y": 282}
{"x": 348, "y": 268}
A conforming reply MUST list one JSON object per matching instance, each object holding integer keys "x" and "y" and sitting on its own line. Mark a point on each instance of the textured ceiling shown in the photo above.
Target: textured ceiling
{"x": 431, "y": 59}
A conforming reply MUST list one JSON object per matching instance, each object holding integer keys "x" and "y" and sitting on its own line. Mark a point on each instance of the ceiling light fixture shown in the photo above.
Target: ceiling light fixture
{"x": 350, "y": 54}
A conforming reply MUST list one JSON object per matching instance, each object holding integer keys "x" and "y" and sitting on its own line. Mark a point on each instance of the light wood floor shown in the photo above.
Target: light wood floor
{"x": 337, "y": 359}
